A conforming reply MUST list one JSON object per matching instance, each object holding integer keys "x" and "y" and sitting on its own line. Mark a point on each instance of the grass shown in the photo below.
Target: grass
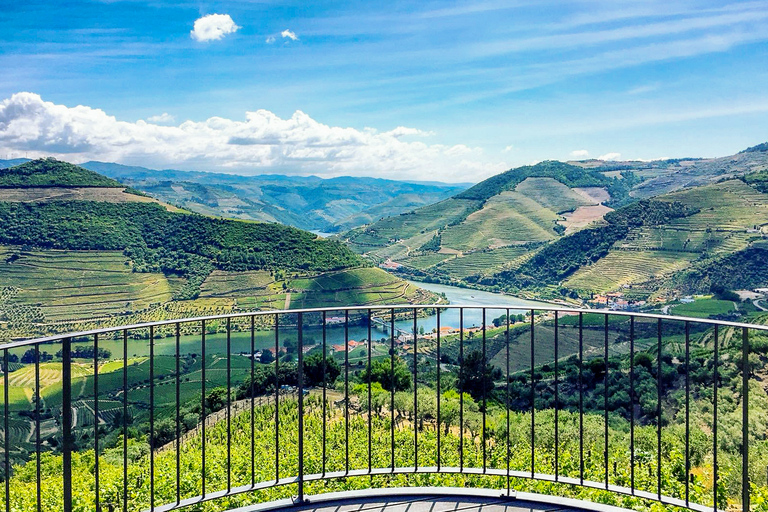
{"x": 704, "y": 308}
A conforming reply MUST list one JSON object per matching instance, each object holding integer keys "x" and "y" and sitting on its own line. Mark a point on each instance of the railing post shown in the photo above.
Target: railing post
{"x": 66, "y": 421}
{"x": 301, "y": 407}
{"x": 745, "y": 419}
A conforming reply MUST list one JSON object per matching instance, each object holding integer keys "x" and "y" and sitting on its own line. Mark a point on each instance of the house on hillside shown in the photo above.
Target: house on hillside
{"x": 390, "y": 265}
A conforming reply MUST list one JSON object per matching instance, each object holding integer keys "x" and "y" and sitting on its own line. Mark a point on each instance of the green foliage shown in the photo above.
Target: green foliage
{"x": 87, "y": 352}
{"x": 381, "y": 371}
{"x": 314, "y": 369}
{"x": 49, "y": 172}
{"x": 741, "y": 270}
{"x": 157, "y": 240}
{"x": 757, "y": 180}
{"x": 563, "y": 257}
{"x": 477, "y": 376}
{"x": 432, "y": 246}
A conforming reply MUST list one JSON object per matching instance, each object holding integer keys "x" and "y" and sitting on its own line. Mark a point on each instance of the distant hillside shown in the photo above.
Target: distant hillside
{"x": 548, "y": 230}
{"x": 502, "y": 219}
{"x": 324, "y": 205}
{"x": 65, "y": 261}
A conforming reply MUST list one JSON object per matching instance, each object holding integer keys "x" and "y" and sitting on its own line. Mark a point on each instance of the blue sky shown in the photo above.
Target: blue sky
{"x": 431, "y": 90}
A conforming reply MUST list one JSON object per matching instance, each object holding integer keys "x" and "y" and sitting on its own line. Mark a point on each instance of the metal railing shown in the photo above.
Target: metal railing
{"x": 105, "y": 401}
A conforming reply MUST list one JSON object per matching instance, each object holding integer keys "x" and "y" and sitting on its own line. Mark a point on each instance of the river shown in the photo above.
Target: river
{"x": 240, "y": 341}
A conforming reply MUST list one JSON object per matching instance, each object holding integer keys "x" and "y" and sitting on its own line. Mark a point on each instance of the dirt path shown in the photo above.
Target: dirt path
{"x": 287, "y": 301}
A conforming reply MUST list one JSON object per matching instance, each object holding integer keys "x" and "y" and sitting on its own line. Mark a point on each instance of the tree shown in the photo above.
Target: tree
{"x": 477, "y": 376}
{"x": 215, "y": 399}
{"x": 381, "y": 371}
{"x": 267, "y": 357}
{"x": 313, "y": 370}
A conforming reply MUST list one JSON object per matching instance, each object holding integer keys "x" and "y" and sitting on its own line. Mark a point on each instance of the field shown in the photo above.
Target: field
{"x": 71, "y": 285}
{"x": 620, "y": 268}
{"x": 704, "y": 308}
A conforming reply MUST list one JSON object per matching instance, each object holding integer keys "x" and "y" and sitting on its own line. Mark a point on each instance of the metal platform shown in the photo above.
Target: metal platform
{"x": 425, "y": 499}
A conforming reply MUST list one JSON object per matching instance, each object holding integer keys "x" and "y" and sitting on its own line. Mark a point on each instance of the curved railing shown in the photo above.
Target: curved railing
{"x": 528, "y": 405}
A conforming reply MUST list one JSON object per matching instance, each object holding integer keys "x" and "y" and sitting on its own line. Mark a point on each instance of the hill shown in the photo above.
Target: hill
{"x": 699, "y": 240}
{"x": 52, "y": 173}
{"x": 311, "y": 203}
{"x": 500, "y": 220}
{"x": 549, "y": 230}
{"x": 67, "y": 261}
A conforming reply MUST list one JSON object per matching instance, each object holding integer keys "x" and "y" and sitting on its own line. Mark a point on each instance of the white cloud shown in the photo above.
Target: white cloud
{"x": 288, "y": 34}
{"x": 580, "y": 153}
{"x": 610, "y": 157}
{"x": 270, "y": 39}
{"x": 164, "y": 118}
{"x": 262, "y": 142}
{"x": 508, "y": 149}
{"x": 213, "y": 27}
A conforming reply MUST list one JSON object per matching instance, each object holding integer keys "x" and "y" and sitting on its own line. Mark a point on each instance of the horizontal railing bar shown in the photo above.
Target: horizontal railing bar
{"x": 548, "y": 309}
{"x": 651, "y": 496}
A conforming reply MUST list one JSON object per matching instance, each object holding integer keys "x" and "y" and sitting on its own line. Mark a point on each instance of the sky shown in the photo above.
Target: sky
{"x": 448, "y": 91}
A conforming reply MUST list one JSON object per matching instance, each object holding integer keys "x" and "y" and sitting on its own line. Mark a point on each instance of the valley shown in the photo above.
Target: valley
{"x": 504, "y": 233}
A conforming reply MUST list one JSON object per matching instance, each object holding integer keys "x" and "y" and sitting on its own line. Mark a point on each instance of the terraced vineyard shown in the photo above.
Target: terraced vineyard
{"x": 730, "y": 205}
{"x": 625, "y": 268}
{"x": 361, "y": 286}
{"x": 509, "y": 217}
{"x": 73, "y": 285}
{"x": 236, "y": 284}
{"x": 426, "y": 260}
{"x": 408, "y": 225}
{"x": 482, "y": 262}
{"x": 553, "y": 195}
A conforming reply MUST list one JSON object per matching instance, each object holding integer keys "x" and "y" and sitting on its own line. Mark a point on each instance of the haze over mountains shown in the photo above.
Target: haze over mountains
{"x": 311, "y": 203}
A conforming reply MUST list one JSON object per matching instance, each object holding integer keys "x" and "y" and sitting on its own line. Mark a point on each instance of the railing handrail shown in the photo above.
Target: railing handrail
{"x": 493, "y": 307}
{"x": 392, "y": 312}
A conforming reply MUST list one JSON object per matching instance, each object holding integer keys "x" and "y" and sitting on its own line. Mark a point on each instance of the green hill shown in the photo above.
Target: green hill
{"x": 519, "y": 211}
{"x": 692, "y": 241}
{"x": 548, "y": 230}
{"x": 49, "y": 172}
{"x": 65, "y": 261}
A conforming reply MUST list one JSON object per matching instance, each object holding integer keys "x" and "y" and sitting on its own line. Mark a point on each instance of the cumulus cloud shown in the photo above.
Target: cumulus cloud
{"x": 164, "y": 118}
{"x": 262, "y": 142}
{"x": 270, "y": 39}
{"x": 508, "y": 149}
{"x": 610, "y": 157}
{"x": 213, "y": 27}
{"x": 579, "y": 153}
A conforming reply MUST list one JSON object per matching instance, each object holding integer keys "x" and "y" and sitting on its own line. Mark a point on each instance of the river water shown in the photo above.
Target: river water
{"x": 240, "y": 341}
